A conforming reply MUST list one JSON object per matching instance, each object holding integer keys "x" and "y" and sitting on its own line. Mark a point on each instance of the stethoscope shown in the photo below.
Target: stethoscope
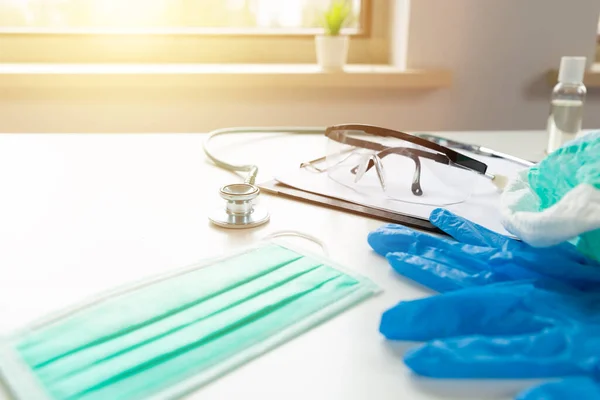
{"x": 241, "y": 210}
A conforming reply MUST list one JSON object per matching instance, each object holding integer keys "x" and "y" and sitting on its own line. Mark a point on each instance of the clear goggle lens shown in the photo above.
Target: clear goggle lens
{"x": 403, "y": 171}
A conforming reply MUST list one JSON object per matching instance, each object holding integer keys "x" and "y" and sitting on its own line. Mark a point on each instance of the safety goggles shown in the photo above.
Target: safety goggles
{"x": 373, "y": 160}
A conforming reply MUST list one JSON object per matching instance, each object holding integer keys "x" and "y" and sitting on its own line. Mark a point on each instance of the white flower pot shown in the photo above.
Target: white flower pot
{"x": 332, "y": 51}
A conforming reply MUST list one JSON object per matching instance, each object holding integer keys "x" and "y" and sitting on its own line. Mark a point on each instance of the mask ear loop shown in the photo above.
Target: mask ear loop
{"x": 301, "y": 235}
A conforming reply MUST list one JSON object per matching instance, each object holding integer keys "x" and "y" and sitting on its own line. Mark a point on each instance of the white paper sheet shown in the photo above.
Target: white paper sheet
{"x": 481, "y": 207}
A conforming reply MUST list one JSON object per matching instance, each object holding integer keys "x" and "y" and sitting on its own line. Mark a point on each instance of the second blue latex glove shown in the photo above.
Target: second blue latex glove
{"x": 580, "y": 388}
{"x": 504, "y": 330}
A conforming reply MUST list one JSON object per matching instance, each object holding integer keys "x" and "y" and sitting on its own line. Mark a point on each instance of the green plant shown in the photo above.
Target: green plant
{"x": 336, "y": 17}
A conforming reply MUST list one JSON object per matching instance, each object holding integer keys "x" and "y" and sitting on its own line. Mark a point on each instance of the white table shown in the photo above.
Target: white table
{"x": 82, "y": 213}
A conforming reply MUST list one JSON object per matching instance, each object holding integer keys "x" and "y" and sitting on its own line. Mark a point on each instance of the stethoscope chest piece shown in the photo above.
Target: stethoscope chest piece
{"x": 240, "y": 210}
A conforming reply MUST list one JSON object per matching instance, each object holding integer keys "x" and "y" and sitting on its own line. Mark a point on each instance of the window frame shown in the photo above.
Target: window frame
{"x": 369, "y": 45}
{"x": 597, "y": 55}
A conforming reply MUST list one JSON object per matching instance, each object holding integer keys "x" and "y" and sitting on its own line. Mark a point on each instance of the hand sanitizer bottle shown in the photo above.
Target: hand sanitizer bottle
{"x": 566, "y": 109}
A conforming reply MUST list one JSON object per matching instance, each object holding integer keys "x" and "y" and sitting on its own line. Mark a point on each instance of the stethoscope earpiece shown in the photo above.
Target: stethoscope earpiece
{"x": 240, "y": 210}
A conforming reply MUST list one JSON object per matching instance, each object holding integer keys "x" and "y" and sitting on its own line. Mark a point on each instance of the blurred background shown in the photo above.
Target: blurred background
{"x": 500, "y": 54}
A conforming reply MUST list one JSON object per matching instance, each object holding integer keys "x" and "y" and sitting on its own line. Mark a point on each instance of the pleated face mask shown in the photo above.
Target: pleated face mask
{"x": 167, "y": 336}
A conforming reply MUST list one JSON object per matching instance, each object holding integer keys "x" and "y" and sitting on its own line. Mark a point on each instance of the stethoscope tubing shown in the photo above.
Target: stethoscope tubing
{"x": 251, "y": 169}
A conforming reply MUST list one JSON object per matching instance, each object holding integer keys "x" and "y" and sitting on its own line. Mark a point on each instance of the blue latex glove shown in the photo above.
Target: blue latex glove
{"x": 476, "y": 256}
{"x": 519, "y": 315}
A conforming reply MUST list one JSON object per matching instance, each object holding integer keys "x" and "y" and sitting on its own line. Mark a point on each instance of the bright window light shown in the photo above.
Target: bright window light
{"x": 245, "y": 16}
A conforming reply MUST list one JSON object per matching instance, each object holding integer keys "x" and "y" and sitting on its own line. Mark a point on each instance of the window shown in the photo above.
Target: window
{"x": 182, "y": 31}
{"x": 169, "y": 16}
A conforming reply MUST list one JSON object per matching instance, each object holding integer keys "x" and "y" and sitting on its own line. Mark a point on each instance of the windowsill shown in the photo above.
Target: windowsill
{"x": 591, "y": 79}
{"x": 220, "y": 75}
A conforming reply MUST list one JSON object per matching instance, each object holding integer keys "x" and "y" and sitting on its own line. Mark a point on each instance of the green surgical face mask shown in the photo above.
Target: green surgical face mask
{"x": 163, "y": 338}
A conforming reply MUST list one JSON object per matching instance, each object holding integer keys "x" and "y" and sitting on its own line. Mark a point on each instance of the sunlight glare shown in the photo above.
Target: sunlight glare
{"x": 287, "y": 14}
{"x": 129, "y": 12}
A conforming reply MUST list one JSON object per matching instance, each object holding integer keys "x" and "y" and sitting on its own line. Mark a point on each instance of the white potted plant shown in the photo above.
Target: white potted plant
{"x": 332, "y": 46}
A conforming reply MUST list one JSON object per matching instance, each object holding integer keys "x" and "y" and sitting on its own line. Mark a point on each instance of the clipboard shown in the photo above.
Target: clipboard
{"x": 277, "y": 188}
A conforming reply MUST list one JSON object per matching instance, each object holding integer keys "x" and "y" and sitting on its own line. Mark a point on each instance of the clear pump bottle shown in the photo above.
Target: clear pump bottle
{"x": 566, "y": 108}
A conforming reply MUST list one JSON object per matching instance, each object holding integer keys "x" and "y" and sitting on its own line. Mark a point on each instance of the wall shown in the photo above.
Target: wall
{"x": 499, "y": 51}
